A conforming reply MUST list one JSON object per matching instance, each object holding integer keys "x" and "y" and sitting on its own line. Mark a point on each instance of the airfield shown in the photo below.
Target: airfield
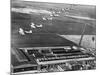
{"x": 63, "y": 24}
{"x": 40, "y": 24}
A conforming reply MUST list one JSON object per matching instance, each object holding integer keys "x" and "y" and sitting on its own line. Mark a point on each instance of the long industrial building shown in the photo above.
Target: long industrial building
{"x": 48, "y": 53}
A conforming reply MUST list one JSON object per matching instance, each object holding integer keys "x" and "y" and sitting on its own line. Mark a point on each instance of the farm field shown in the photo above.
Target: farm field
{"x": 86, "y": 42}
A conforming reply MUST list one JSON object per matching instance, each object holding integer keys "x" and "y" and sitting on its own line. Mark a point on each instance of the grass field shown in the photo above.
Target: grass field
{"x": 23, "y": 13}
{"x": 69, "y": 26}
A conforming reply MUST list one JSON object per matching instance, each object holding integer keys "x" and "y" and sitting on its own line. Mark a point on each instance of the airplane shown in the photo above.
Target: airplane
{"x": 32, "y": 25}
{"x": 21, "y": 31}
{"x": 39, "y": 25}
{"x": 30, "y": 31}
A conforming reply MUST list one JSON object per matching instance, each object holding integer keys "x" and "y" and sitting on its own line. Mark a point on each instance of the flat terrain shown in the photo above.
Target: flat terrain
{"x": 86, "y": 42}
{"x": 70, "y": 19}
{"x": 40, "y": 40}
{"x": 62, "y": 26}
{"x": 69, "y": 22}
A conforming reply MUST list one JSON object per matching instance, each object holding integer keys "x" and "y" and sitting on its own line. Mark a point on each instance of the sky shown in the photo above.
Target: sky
{"x": 85, "y": 2}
